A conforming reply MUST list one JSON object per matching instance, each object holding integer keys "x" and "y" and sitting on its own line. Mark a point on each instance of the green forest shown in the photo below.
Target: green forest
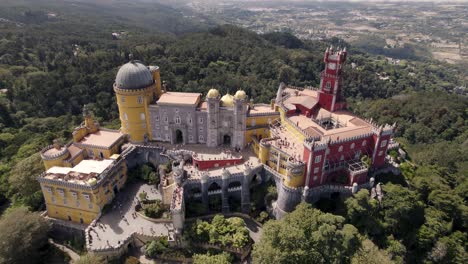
{"x": 50, "y": 66}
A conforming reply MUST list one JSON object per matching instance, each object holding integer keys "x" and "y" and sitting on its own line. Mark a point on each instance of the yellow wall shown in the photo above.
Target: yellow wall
{"x": 157, "y": 82}
{"x": 258, "y": 132}
{"x": 294, "y": 180}
{"x": 78, "y": 207}
{"x": 59, "y": 162}
{"x": 260, "y": 120}
{"x": 131, "y": 109}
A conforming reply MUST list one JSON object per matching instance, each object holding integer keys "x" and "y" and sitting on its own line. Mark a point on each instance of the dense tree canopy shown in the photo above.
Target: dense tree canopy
{"x": 307, "y": 235}
{"x": 22, "y": 235}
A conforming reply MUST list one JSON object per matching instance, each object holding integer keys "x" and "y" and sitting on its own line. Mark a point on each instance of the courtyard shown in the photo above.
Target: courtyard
{"x": 120, "y": 221}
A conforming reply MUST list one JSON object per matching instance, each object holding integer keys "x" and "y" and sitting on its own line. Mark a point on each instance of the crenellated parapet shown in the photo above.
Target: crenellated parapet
{"x": 350, "y": 139}
{"x": 52, "y": 152}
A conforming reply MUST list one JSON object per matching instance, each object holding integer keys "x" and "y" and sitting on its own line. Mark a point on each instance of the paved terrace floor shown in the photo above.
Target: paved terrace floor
{"x": 247, "y": 154}
{"x": 112, "y": 229}
{"x": 287, "y": 142}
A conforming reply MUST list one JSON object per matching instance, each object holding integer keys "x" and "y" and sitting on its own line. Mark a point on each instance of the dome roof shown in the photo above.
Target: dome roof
{"x": 240, "y": 95}
{"x": 227, "y": 100}
{"x": 133, "y": 75}
{"x": 212, "y": 93}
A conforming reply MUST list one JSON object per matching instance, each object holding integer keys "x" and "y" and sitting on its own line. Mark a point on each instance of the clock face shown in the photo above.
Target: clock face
{"x": 332, "y": 66}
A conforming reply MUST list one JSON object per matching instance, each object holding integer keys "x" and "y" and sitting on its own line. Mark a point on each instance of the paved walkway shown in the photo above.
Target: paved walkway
{"x": 119, "y": 224}
{"x": 73, "y": 255}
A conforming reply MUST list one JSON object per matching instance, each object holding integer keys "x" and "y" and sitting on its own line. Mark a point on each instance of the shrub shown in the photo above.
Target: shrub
{"x": 156, "y": 247}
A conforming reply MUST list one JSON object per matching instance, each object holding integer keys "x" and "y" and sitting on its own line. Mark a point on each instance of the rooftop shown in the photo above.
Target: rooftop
{"x": 81, "y": 173}
{"x": 307, "y": 98}
{"x": 102, "y": 138}
{"x": 261, "y": 109}
{"x": 336, "y": 125}
{"x": 180, "y": 98}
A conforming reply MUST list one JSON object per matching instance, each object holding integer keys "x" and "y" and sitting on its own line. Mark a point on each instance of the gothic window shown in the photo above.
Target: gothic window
{"x": 383, "y": 144}
{"x": 201, "y": 138}
{"x": 340, "y": 149}
{"x": 328, "y": 86}
{"x": 364, "y": 143}
{"x": 177, "y": 119}
{"x": 200, "y": 120}
{"x": 352, "y": 145}
{"x": 142, "y": 116}
{"x": 357, "y": 155}
{"x": 318, "y": 159}
{"x": 156, "y": 118}
{"x": 140, "y": 99}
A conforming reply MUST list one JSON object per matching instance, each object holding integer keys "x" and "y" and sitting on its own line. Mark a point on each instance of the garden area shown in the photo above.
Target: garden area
{"x": 152, "y": 208}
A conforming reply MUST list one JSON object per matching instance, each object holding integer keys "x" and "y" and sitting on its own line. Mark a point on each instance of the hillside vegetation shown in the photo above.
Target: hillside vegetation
{"x": 51, "y": 67}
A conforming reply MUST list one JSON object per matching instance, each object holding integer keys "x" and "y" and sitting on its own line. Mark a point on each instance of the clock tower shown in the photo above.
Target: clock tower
{"x": 330, "y": 96}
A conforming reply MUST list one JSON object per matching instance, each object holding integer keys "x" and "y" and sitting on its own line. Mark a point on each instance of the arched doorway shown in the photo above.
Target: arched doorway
{"x": 227, "y": 140}
{"x": 214, "y": 187}
{"x": 179, "y": 137}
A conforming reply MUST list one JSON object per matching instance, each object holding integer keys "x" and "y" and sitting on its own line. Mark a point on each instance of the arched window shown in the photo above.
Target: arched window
{"x": 140, "y": 99}
{"x": 352, "y": 145}
{"x": 340, "y": 149}
{"x": 125, "y": 116}
{"x": 364, "y": 143}
{"x": 142, "y": 116}
{"x": 328, "y": 86}
{"x": 177, "y": 119}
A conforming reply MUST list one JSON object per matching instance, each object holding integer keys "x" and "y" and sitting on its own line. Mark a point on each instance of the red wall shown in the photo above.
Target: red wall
{"x": 209, "y": 164}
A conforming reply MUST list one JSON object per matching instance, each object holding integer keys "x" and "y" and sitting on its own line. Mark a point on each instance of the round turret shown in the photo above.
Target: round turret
{"x": 212, "y": 93}
{"x": 240, "y": 95}
{"x": 227, "y": 100}
{"x": 133, "y": 75}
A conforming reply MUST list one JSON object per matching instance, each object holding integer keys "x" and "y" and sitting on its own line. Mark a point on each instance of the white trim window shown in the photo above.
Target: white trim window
{"x": 340, "y": 149}
{"x": 142, "y": 116}
{"x": 316, "y": 170}
{"x": 318, "y": 159}
{"x": 364, "y": 143}
{"x": 328, "y": 86}
{"x": 352, "y": 145}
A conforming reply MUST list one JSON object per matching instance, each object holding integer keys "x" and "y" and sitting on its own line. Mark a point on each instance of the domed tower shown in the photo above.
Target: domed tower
{"x": 213, "y": 101}
{"x": 135, "y": 89}
{"x": 240, "y": 118}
